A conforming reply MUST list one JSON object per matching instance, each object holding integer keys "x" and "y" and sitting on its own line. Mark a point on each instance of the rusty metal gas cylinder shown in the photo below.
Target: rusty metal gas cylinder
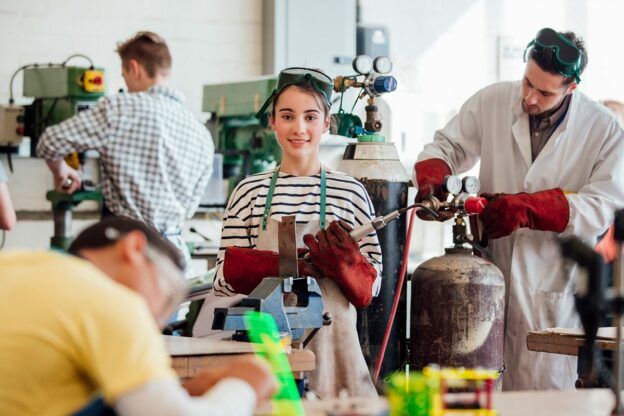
{"x": 457, "y": 312}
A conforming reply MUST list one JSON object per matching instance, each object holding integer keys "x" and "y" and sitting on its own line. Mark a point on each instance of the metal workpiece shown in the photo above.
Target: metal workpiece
{"x": 457, "y": 315}
{"x": 287, "y": 247}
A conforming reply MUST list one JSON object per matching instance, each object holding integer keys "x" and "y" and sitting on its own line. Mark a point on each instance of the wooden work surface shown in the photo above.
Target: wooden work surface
{"x": 567, "y": 341}
{"x": 191, "y": 356}
{"x": 586, "y": 402}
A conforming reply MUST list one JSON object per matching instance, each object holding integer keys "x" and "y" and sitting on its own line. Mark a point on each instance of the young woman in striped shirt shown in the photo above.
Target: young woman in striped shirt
{"x": 326, "y": 204}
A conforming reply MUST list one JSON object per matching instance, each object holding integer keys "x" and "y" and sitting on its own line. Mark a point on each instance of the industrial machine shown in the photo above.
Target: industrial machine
{"x": 458, "y": 299}
{"x": 11, "y": 128}
{"x": 60, "y": 92}
{"x": 247, "y": 145}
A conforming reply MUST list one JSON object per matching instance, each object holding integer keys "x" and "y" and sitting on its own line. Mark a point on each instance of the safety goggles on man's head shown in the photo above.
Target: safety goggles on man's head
{"x": 297, "y": 75}
{"x": 567, "y": 56}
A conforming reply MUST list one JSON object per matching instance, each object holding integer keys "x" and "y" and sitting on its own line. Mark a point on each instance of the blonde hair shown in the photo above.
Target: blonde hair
{"x": 616, "y": 108}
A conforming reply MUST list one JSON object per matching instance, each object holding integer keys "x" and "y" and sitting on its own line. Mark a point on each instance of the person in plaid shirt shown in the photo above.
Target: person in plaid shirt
{"x": 155, "y": 156}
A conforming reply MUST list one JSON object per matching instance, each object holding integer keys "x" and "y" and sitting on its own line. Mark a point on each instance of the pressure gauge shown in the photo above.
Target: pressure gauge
{"x": 363, "y": 64}
{"x": 471, "y": 184}
{"x": 382, "y": 65}
{"x": 452, "y": 184}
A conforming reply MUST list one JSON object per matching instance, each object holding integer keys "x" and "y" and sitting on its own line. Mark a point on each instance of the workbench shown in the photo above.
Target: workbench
{"x": 586, "y": 402}
{"x": 191, "y": 356}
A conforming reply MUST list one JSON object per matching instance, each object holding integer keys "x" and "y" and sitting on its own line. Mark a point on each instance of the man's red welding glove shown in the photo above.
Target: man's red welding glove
{"x": 505, "y": 213}
{"x": 430, "y": 174}
{"x": 338, "y": 257}
{"x": 244, "y": 268}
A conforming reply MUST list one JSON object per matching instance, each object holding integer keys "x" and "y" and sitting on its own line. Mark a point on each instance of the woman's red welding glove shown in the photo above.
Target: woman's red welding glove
{"x": 244, "y": 268}
{"x": 430, "y": 175}
{"x": 337, "y": 256}
{"x": 545, "y": 211}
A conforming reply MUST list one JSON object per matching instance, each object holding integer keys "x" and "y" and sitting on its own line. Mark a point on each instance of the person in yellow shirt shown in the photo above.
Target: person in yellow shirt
{"x": 86, "y": 326}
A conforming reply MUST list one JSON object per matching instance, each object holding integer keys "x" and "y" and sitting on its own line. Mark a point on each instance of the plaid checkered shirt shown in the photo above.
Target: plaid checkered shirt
{"x": 155, "y": 156}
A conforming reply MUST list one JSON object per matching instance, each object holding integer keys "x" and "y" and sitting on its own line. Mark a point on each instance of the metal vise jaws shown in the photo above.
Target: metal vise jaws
{"x": 269, "y": 297}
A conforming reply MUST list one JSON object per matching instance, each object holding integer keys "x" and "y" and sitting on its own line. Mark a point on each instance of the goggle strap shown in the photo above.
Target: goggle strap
{"x": 575, "y": 67}
{"x": 266, "y": 104}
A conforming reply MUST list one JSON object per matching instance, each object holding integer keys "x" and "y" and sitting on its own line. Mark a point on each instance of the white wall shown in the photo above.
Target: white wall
{"x": 210, "y": 40}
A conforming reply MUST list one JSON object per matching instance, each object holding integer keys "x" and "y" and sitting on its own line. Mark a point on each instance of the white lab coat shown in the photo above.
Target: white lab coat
{"x": 585, "y": 156}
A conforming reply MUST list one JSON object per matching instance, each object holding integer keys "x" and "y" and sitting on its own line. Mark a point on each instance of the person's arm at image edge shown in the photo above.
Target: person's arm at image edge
{"x": 7, "y": 212}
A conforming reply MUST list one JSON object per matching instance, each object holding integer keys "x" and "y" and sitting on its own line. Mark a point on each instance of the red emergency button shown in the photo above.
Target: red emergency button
{"x": 97, "y": 80}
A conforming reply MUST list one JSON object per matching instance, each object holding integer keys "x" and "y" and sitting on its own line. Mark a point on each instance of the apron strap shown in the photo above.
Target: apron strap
{"x": 269, "y": 198}
{"x": 323, "y": 193}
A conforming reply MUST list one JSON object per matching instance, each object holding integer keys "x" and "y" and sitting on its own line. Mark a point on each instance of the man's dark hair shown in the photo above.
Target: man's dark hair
{"x": 107, "y": 231}
{"x": 545, "y": 57}
{"x": 147, "y": 48}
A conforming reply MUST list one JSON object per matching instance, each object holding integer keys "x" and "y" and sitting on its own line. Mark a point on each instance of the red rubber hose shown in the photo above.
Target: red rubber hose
{"x": 397, "y": 296}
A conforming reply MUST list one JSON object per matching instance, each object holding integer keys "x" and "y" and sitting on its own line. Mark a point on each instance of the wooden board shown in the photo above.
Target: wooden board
{"x": 185, "y": 346}
{"x": 567, "y": 341}
{"x": 190, "y": 356}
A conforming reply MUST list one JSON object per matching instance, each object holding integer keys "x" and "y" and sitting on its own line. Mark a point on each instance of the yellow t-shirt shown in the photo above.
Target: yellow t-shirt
{"x": 68, "y": 331}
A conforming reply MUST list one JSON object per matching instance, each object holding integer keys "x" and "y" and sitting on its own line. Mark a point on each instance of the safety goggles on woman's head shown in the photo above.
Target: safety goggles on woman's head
{"x": 296, "y": 75}
{"x": 567, "y": 56}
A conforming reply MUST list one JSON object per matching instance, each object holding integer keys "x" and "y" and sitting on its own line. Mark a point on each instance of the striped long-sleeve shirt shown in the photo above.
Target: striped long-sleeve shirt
{"x": 346, "y": 200}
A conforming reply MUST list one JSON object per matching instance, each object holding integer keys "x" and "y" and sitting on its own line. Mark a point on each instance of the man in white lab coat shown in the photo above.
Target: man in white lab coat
{"x": 552, "y": 163}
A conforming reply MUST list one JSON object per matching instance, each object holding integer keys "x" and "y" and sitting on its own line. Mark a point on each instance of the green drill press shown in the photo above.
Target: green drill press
{"x": 248, "y": 147}
{"x": 60, "y": 92}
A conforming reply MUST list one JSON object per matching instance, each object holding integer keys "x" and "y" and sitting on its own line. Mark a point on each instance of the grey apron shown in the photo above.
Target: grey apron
{"x": 340, "y": 364}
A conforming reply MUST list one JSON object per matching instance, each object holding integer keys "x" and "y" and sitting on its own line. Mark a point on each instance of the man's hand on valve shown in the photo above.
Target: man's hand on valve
{"x": 244, "y": 268}
{"x": 430, "y": 175}
{"x": 337, "y": 256}
{"x": 505, "y": 213}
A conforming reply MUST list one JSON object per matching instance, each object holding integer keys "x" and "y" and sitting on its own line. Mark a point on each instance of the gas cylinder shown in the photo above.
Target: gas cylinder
{"x": 457, "y": 312}
{"x": 376, "y": 165}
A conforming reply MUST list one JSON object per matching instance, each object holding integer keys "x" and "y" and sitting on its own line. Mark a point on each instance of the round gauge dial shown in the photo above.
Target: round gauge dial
{"x": 363, "y": 64}
{"x": 452, "y": 184}
{"x": 471, "y": 184}
{"x": 382, "y": 65}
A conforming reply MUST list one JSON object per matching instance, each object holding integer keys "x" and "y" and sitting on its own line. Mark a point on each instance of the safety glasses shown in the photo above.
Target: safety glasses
{"x": 171, "y": 280}
{"x": 567, "y": 55}
{"x": 297, "y": 75}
